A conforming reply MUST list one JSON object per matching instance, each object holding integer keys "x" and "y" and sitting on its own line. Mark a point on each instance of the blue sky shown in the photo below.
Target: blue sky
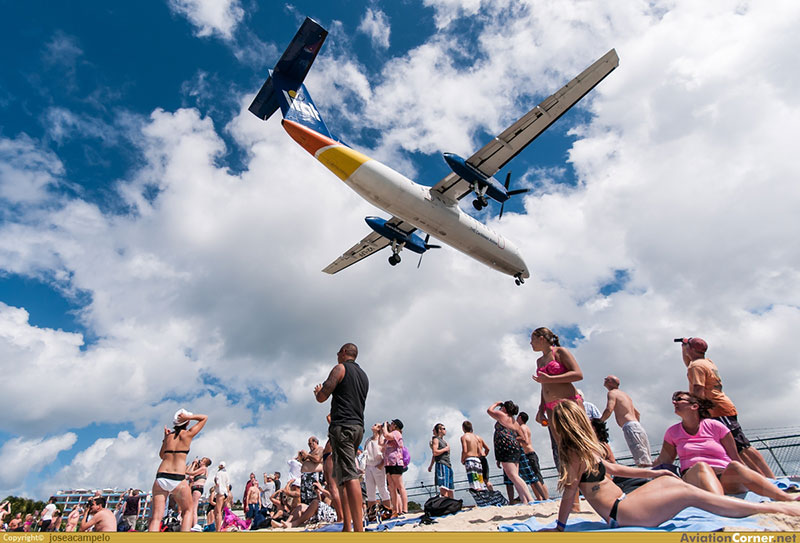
{"x": 160, "y": 247}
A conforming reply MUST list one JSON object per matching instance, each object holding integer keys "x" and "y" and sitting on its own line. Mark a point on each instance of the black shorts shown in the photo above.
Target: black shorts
{"x": 736, "y": 431}
{"x": 485, "y": 469}
{"x": 533, "y": 460}
{"x": 395, "y": 470}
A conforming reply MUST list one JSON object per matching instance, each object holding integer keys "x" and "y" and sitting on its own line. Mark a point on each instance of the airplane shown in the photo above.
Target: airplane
{"x": 433, "y": 210}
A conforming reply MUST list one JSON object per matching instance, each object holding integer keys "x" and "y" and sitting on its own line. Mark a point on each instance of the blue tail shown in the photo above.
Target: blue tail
{"x": 284, "y": 88}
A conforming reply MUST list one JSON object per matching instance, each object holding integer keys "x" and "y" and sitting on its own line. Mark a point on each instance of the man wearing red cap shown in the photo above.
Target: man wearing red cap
{"x": 705, "y": 382}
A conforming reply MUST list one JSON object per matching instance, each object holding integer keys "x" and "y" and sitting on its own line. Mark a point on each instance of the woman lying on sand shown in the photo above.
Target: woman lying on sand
{"x": 582, "y": 468}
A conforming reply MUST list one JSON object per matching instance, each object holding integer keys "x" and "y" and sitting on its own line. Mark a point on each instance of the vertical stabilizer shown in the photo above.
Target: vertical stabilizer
{"x": 284, "y": 88}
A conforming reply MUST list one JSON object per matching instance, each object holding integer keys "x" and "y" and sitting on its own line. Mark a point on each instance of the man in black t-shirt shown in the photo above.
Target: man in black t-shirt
{"x": 348, "y": 385}
{"x": 131, "y": 512}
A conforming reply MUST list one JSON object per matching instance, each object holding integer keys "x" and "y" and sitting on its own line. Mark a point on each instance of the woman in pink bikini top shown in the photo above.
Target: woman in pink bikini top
{"x": 556, "y": 371}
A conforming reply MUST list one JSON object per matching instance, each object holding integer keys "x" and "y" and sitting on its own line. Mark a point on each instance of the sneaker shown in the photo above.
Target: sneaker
{"x": 197, "y": 528}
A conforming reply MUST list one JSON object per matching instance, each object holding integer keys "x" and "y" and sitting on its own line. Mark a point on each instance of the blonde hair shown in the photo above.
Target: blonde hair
{"x": 575, "y": 439}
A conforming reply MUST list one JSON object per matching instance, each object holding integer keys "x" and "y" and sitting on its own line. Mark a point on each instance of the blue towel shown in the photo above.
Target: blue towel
{"x": 785, "y": 483}
{"x": 690, "y": 519}
{"x": 385, "y": 525}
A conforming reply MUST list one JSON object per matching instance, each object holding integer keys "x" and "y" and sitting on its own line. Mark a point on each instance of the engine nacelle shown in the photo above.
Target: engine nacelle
{"x": 493, "y": 188}
{"x": 412, "y": 241}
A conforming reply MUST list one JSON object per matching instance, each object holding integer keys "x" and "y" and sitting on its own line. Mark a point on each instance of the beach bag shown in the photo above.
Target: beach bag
{"x": 438, "y": 506}
{"x": 406, "y": 458}
{"x": 170, "y": 523}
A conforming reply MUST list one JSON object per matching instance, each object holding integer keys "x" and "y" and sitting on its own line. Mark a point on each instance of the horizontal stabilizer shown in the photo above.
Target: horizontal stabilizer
{"x": 291, "y": 68}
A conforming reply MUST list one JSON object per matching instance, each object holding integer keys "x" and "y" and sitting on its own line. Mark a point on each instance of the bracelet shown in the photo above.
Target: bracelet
{"x": 562, "y": 525}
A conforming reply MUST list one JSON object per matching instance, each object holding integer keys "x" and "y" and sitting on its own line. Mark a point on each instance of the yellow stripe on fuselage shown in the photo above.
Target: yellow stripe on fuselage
{"x": 341, "y": 160}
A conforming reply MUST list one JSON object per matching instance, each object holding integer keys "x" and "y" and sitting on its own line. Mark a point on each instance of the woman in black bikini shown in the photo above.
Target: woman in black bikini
{"x": 171, "y": 475}
{"x": 196, "y": 475}
{"x": 649, "y": 505}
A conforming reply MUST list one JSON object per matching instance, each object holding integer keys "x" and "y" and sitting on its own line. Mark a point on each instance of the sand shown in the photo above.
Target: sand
{"x": 487, "y": 519}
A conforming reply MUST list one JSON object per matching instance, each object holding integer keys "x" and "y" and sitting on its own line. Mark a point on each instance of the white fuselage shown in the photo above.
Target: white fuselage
{"x": 414, "y": 203}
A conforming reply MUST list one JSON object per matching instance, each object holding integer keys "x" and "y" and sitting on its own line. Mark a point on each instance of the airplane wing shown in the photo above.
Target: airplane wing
{"x": 372, "y": 243}
{"x": 498, "y": 152}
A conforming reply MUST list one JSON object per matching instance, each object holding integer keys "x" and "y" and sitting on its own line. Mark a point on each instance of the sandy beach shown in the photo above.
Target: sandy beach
{"x": 488, "y": 519}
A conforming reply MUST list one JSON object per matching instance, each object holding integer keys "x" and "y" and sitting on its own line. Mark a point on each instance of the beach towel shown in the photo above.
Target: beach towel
{"x": 385, "y": 525}
{"x": 690, "y": 519}
{"x": 231, "y": 522}
{"x": 488, "y": 498}
{"x": 786, "y": 485}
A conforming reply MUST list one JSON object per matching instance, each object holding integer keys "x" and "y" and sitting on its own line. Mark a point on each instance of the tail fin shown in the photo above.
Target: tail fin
{"x": 284, "y": 88}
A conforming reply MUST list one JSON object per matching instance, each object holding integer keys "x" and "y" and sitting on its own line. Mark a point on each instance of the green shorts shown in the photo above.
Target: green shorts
{"x": 344, "y": 445}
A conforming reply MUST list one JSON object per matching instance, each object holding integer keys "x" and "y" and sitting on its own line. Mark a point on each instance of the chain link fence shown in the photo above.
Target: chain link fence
{"x": 781, "y": 452}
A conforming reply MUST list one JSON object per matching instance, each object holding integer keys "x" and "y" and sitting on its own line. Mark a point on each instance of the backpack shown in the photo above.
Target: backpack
{"x": 406, "y": 458}
{"x": 438, "y": 506}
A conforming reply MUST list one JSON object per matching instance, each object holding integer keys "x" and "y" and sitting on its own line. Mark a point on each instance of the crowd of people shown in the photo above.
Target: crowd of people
{"x": 352, "y": 482}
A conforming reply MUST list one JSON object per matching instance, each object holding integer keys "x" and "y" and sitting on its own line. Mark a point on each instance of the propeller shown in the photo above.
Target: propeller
{"x": 427, "y": 246}
{"x": 510, "y": 193}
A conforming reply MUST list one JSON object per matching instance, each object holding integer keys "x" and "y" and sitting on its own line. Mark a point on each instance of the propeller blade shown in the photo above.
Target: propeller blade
{"x": 427, "y": 237}
{"x": 427, "y": 246}
{"x": 502, "y": 206}
{"x": 518, "y": 191}
{"x": 508, "y": 179}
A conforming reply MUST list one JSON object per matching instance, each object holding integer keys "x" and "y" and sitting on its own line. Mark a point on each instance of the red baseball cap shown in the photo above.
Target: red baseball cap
{"x": 696, "y": 343}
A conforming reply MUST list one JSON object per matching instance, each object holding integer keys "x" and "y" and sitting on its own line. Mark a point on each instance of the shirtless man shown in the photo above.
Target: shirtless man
{"x": 15, "y": 524}
{"x": 524, "y": 439}
{"x": 252, "y": 503}
{"x": 310, "y": 470}
{"x": 102, "y": 520}
{"x": 473, "y": 456}
{"x": 627, "y": 417}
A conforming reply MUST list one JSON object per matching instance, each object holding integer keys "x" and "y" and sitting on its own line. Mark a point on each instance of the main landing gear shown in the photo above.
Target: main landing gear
{"x": 480, "y": 202}
{"x": 518, "y": 279}
{"x": 394, "y": 260}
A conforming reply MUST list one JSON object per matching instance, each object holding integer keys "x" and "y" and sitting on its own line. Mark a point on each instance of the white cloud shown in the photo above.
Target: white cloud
{"x": 19, "y": 457}
{"x": 26, "y": 170}
{"x": 210, "y": 17}
{"x": 210, "y": 294}
{"x": 446, "y": 11}
{"x": 375, "y": 24}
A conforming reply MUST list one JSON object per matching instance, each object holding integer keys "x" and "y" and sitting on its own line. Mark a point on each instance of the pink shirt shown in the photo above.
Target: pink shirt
{"x": 393, "y": 449}
{"x": 704, "y": 446}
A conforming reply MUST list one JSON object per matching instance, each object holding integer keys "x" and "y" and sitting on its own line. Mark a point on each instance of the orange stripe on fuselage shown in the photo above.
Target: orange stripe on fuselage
{"x": 338, "y": 158}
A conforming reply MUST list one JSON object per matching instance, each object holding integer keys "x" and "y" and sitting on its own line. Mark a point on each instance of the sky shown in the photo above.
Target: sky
{"x": 160, "y": 247}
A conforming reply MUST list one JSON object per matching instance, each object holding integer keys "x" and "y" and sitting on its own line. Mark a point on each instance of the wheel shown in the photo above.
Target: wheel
{"x": 518, "y": 282}
{"x": 392, "y": 261}
{"x": 477, "y": 204}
